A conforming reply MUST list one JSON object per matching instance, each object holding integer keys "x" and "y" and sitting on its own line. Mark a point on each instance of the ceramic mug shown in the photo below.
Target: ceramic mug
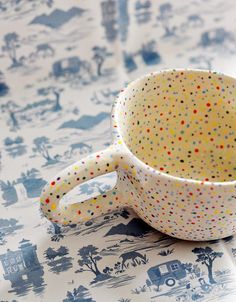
{"x": 174, "y": 137}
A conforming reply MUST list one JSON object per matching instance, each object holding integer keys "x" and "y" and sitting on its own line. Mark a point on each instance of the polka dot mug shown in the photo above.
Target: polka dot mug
{"x": 174, "y": 138}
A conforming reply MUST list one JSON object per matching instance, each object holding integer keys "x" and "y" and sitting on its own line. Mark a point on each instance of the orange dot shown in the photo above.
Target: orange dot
{"x": 198, "y": 87}
{"x": 79, "y": 212}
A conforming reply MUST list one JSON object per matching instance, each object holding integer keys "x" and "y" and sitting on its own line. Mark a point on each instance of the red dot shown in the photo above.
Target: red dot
{"x": 221, "y": 146}
{"x": 79, "y": 212}
{"x": 148, "y": 130}
{"x": 180, "y": 138}
{"x": 169, "y": 152}
{"x": 53, "y": 183}
{"x": 198, "y": 87}
{"x": 217, "y": 87}
{"x": 208, "y": 104}
{"x": 47, "y": 200}
{"x": 91, "y": 173}
{"x": 194, "y": 111}
{"x": 161, "y": 169}
{"x": 98, "y": 156}
{"x": 182, "y": 122}
{"x": 196, "y": 150}
{"x": 161, "y": 129}
{"x": 190, "y": 193}
{"x": 97, "y": 207}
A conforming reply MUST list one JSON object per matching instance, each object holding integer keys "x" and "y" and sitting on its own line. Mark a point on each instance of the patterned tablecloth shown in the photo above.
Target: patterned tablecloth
{"x": 61, "y": 65}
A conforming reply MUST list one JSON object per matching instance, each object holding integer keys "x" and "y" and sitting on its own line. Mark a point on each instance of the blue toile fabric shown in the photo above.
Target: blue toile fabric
{"x": 62, "y": 63}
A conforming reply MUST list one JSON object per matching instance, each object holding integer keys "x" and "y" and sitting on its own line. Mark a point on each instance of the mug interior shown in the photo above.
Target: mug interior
{"x": 182, "y": 122}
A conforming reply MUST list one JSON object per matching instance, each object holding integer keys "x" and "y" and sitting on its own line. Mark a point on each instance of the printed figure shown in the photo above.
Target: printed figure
{"x": 166, "y": 13}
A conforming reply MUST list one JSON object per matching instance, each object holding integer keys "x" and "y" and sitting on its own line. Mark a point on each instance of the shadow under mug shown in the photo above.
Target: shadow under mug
{"x": 174, "y": 137}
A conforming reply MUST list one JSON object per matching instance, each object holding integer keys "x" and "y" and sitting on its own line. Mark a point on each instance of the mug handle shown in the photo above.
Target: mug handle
{"x": 96, "y": 164}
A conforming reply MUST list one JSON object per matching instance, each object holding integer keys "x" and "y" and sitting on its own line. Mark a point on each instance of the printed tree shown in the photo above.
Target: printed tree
{"x": 207, "y": 256}
{"x": 100, "y": 54}
{"x": 42, "y": 147}
{"x": 50, "y": 253}
{"x": 89, "y": 257}
{"x": 56, "y": 91}
{"x": 61, "y": 263}
{"x": 9, "y": 192}
{"x": 3, "y": 89}
{"x": 2, "y": 238}
{"x": 11, "y": 41}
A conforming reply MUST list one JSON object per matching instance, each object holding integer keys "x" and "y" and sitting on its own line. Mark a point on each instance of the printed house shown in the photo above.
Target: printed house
{"x": 66, "y": 66}
{"x": 167, "y": 273}
{"x": 21, "y": 265}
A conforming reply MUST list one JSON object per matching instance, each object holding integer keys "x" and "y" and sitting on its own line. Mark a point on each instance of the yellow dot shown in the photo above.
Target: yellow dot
{"x": 76, "y": 167}
{"x": 53, "y": 206}
{"x": 228, "y": 211}
{"x": 119, "y": 142}
{"x": 216, "y": 212}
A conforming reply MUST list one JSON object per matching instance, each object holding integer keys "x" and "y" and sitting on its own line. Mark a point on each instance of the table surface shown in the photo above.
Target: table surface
{"x": 61, "y": 65}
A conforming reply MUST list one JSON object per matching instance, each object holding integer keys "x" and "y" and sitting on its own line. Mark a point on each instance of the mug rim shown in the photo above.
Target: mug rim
{"x": 119, "y": 141}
